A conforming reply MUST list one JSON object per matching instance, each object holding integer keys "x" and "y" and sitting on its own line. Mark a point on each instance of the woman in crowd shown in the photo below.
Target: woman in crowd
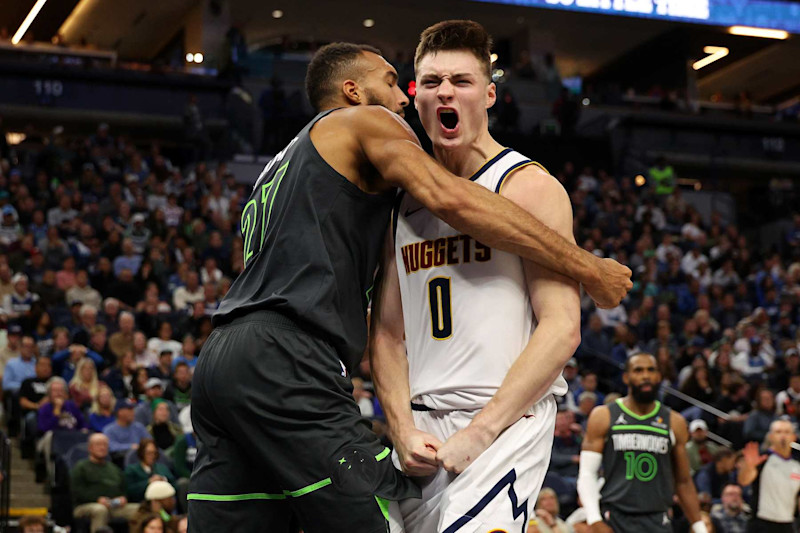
{"x": 163, "y": 430}
{"x": 146, "y": 470}
{"x": 102, "y": 412}
{"x": 84, "y": 386}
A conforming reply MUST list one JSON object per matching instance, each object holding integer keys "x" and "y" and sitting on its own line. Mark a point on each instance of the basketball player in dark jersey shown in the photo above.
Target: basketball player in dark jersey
{"x": 640, "y": 445}
{"x": 280, "y": 436}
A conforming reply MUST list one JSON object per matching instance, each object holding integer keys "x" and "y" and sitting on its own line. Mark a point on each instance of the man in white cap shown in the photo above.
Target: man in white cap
{"x": 699, "y": 449}
{"x": 159, "y": 498}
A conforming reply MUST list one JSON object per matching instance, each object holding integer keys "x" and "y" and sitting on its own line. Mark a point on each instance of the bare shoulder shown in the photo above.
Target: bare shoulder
{"x": 677, "y": 422}
{"x": 369, "y": 119}
{"x": 536, "y": 190}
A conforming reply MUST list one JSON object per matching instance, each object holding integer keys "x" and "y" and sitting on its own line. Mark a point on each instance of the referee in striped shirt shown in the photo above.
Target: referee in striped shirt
{"x": 775, "y": 477}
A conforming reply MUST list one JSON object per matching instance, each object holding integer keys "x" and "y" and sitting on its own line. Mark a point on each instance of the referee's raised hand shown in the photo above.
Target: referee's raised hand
{"x": 752, "y": 455}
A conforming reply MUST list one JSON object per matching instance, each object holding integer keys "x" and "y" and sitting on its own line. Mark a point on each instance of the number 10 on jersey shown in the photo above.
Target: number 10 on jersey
{"x": 441, "y": 311}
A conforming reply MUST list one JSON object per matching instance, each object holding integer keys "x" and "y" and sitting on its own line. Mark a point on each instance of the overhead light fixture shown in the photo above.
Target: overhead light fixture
{"x": 28, "y": 21}
{"x": 493, "y": 57}
{"x": 190, "y": 57}
{"x": 758, "y": 32}
{"x": 368, "y": 23}
{"x": 715, "y": 53}
{"x": 277, "y": 14}
{"x": 198, "y": 58}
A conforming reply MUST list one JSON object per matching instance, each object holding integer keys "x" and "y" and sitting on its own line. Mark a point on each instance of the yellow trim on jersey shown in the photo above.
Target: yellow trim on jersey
{"x": 505, "y": 178}
{"x": 440, "y": 304}
{"x": 489, "y": 162}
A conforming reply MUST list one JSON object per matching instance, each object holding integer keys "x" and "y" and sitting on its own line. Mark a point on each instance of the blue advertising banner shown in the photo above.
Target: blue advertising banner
{"x": 758, "y": 13}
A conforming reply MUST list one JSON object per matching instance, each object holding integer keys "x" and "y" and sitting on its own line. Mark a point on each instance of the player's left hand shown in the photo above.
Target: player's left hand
{"x": 463, "y": 447}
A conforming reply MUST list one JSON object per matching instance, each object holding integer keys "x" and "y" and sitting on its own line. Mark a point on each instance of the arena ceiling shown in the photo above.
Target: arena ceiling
{"x": 582, "y": 43}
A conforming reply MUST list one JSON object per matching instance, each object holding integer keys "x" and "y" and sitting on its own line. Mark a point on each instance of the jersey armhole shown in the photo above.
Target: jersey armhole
{"x": 396, "y": 213}
{"x": 499, "y": 188}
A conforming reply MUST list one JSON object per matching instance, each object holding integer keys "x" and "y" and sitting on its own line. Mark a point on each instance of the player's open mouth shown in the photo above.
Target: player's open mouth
{"x": 448, "y": 118}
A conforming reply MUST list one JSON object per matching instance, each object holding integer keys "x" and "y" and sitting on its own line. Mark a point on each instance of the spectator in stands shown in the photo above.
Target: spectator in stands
{"x": 98, "y": 487}
{"x": 65, "y": 362}
{"x": 565, "y": 457}
{"x": 589, "y": 384}
{"x": 83, "y": 292}
{"x": 152, "y": 523}
{"x": 154, "y": 391}
{"x": 145, "y": 471}
{"x": 586, "y": 402}
{"x": 121, "y": 377}
{"x": 786, "y": 399}
{"x": 102, "y": 412}
{"x": 188, "y": 355}
{"x": 142, "y": 355}
{"x": 65, "y": 278}
{"x": 731, "y": 513}
{"x": 122, "y": 341}
{"x": 129, "y": 260}
{"x": 124, "y": 433}
{"x": 163, "y": 430}
{"x": 58, "y": 413}
{"x": 11, "y": 349}
{"x": 20, "y": 368}
{"x": 164, "y": 341}
{"x": 163, "y": 370}
{"x": 179, "y": 389}
{"x": 699, "y": 449}
{"x": 87, "y": 319}
{"x": 758, "y": 423}
{"x": 714, "y": 476}
{"x": 18, "y": 304}
{"x": 84, "y": 385}
{"x": 32, "y": 524}
{"x": 32, "y": 396}
{"x": 547, "y": 519}
{"x": 755, "y": 360}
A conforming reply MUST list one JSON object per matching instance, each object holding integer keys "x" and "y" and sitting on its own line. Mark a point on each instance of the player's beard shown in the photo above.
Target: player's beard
{"x": 645, "y": 397}
{"x": 374, "y": 99}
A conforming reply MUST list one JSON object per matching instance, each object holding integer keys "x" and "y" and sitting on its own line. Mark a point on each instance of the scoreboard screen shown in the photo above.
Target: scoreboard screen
{"x": 758, "y": 13}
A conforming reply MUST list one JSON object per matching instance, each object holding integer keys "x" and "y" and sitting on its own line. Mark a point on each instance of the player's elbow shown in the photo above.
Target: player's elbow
{"x": 569, "y": 334}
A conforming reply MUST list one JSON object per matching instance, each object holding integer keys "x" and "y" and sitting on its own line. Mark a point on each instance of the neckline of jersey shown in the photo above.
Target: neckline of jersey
{"x": 489, "y": 163}
{"x": 634, "y": 415}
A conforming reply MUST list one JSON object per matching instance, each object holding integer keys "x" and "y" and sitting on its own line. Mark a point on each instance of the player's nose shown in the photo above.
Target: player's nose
{"x": 445, "y": 90}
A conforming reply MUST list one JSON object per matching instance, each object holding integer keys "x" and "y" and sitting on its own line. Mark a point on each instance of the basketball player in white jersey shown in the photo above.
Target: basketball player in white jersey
{"x": 469, "y": 394}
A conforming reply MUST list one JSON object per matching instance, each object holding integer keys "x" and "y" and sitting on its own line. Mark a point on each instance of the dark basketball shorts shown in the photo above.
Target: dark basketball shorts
{"x": 280, "y": 438}
{"x": 637, "y": 523}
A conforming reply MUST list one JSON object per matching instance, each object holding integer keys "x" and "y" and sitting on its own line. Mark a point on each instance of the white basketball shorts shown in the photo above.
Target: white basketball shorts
{"x": 497, "y": 492}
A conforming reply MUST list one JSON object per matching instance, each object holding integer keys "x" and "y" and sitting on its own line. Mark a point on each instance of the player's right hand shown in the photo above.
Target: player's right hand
{"x": 614, "y": 282}
{"x": 600, "y": 527}
{"x": 417, "y": 452}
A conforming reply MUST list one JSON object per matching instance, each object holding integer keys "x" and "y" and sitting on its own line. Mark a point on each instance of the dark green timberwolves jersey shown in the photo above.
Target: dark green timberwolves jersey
{"x": 312, "y": 240}
{"x": 637, "y": 461}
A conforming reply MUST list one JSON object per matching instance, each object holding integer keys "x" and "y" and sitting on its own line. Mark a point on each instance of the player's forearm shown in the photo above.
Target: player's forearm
{"x": 540, "y": 363}
{"x": 390, "y": 374}
{"x": 495, "y": 221}
{"x": 687, "y": 497}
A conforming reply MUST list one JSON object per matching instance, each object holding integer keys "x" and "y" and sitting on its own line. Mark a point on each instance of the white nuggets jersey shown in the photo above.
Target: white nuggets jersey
{"x": 466, "y": 307}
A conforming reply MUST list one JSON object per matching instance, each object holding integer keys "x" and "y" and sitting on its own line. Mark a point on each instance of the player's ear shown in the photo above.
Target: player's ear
{"x": 491, "y": 95}
{"x": 625, "y": 378}
{"x": 352, "y": 91}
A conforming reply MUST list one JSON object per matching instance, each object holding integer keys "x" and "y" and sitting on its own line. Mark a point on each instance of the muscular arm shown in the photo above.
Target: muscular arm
{"x": 556, "y": 304}
{"x": 393, "y": 149}
{"x": 416, "y": 449}
{"x": 684, "y": 487}
{"x": 591, "y": 450}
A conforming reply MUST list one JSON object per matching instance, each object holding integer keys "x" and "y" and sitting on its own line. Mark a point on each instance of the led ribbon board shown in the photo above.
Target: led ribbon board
{"x": 757, "y": 13}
